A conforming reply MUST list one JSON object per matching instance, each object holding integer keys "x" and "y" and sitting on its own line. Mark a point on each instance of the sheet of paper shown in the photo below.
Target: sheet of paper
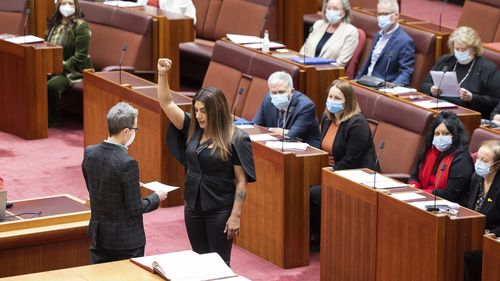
{"x": 406, "y": 196}
{"x": 434, "y": 104}
{"x": 146, "y": 262}
{"x": 25, "y": 39}
{"x": 422, "y": 204}
{"x": 272, "y": 45}
{"x": 384, "y": 183}
{"x": 243, "y": 39}
{"x": 447, "y": 82}
{"x": 287, "y": 145}
{"x": 155, "y": 185}
{"x": 354, "y": 174}
{"x": 263, "y": 137}
{"x": 245, "y": 127}
{"x": 398, "y": 90}
{"x": 126, "y": 4}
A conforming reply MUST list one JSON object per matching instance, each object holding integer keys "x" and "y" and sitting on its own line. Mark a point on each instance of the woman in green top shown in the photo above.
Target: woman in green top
{"x": 68, "y": 29}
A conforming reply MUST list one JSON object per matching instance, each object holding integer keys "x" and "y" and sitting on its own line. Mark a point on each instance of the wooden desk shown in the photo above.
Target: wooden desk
{"x": 491, "y": 258}
{"x": 120, "y": 270}
{"x": 313, "y": 79}
{"x": 55, "y": 239}
{"x": 23, "y": 87}
{"x": 469, "y": 117}
{"x": 102, "y": 91}
{"x": 369, "y": 235}
{"x": 275, "y": 219}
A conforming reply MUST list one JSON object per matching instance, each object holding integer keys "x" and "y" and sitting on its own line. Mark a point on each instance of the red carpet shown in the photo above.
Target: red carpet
{"x": 52, "y": 166}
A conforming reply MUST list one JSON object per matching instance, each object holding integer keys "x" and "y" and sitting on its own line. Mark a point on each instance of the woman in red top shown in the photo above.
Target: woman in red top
{"x": 445, "y": 167}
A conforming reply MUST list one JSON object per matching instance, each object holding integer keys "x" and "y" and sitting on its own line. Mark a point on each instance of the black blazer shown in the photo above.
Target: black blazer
{"x": 112, "y": 179}
{"x": 353, "y": 146}
{"x": 491, "y": 205}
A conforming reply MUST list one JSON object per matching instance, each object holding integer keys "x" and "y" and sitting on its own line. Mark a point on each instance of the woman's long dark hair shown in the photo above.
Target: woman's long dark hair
{"x": 460, "y": 136}
{"x": 56, "y": 18}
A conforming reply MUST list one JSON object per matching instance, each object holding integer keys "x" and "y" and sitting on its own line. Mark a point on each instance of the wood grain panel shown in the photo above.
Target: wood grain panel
{"x": 491, "y": 258}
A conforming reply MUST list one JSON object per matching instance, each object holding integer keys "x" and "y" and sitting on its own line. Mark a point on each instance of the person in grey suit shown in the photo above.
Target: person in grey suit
{"x": 116, "y": 229}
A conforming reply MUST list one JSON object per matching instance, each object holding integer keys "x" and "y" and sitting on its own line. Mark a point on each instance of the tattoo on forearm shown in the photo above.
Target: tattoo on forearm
{"x": 241, "y": 195}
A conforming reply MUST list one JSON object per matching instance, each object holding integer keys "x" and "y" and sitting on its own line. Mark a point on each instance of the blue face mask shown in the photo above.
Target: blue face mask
{"x": 333, "y": 16}
{"x": 462, "y": 57}
{"x": 482, "y": 168}
{"x": 334, "y": 106}
{"x": 384, "y": 22}
{"x": 280, "y": 101}
{"x": 442, "y": 143}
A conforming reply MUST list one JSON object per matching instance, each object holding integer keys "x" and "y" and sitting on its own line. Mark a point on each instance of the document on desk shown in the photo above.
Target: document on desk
{"x": 407, "y": 196}
{"x": 447, "y": 82}
{"x": 25, "y": 39}
{"x": 384, "y": 183}
{"x": 434, "y": 104}
{"x": 422, "y": 204}
{"x": 357, "y": 176}
{"x": 263, "y": 137}
{"x": 272, "y": 45}
{"x": 287, "y": 145}
{"x": 123, "y": 4}
{"x": 243, "y": 39}
{"x": 244, "y": 126}
{"x": 398, "y": 90}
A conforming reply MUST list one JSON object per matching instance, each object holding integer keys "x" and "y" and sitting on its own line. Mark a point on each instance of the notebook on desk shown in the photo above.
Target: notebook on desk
{"x": 311, "y": 60}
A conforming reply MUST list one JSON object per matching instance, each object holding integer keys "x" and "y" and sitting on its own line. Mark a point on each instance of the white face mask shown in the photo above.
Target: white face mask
{"x": 67, "y": 10}
{"x": 131, "y": 139}
{"x": 463, "y": 57}
{"x": 333, "y": 16}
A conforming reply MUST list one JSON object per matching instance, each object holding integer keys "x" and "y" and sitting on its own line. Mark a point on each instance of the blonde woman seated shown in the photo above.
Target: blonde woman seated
{"x": 333, "y": 37}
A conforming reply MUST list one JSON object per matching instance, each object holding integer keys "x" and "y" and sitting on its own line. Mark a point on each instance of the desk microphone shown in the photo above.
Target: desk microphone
{"x": 261, "y": 30}
{"x": 27, "y": 13}
{"x": 445, "y": 68}
{"x": 387, "y": 69}
{"x": 124, "y": 50}
{"x": 311, "y": 29}
{"x": 382, "y": 145}
{"x": 434, "y": 208}
{"x": 441, "y": 14}
{"x": 236, "y": 101}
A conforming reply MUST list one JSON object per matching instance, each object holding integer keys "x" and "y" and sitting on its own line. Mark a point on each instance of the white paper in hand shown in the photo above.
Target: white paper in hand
{"x": 447, "y": 82}
{"x": 155, "y": 186}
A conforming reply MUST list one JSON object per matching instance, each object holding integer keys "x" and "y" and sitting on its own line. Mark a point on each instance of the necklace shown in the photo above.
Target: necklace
{"x": 468, "y": 72}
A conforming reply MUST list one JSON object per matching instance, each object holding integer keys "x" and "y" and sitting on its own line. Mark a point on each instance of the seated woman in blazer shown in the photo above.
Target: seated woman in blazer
{"x": 346, "y": 136}
{"x": 446, "y": 166}
{"x": 333, "y": 37}
{"x": 484, "y": 197}
{"x": 478, "y": 78}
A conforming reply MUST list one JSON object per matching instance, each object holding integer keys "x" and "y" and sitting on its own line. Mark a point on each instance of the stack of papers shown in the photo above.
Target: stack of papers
{"x": 364, "y": 178}
{"x": 243, "y": 39}
{"x": 407, "y": 196}
{"x": 398, "y": 90}
{"x": 447, "y": 82}
{"x": 262, "y": 137}
{"x": 287, "y": 145}
{"x": 25, "y": 39}
{"x": 434, "y": 104}
{"x": 422, "y": 204}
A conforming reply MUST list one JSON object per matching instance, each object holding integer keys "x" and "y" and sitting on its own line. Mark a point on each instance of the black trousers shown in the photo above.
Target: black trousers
{"x": 315, "y": 211}
{"x": 205, "y": 230}
{"x": 473, "y": 265}
{"x": 99, "y": 255}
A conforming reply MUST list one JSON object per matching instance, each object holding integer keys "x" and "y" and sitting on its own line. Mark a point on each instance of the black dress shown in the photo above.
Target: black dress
{"x": 483, "y": 81}
{"x": 209, "y": 186}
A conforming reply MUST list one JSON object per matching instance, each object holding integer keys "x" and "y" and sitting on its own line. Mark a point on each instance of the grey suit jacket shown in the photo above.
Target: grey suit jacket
{"x": 112, "y": 179}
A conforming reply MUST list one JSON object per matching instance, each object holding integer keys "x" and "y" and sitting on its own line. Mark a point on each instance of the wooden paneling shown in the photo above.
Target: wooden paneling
{"x": 156, "y": 163}
{"x": 369, "y": 235}
{"x": 290, "y": 22}
{"x": 491, "y": 258}
{"x": 23, "y": 87}
{"x": 40, "y": 11}
{"x": 275, "y": 219}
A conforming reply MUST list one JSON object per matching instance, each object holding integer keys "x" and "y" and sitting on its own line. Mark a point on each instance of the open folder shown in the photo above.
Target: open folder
{"x": 186, "y": 266}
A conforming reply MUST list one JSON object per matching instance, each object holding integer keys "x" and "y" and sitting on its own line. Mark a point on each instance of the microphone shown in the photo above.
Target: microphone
{"x": 445, "y": 68}
{"x": 124, "y": 50}
{"x": 311, "y": 29}
{"x": 441, "y": 14}
{"x": 382, "y": 145}
{"x": 27, "y": 13}
{"x": 236, "y": 100}
{"x": 387, "y": 69}
{"x": 434, "y": 208}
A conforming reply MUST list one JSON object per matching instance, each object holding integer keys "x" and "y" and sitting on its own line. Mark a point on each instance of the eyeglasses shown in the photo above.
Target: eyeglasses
{"x": 136, "y": 129}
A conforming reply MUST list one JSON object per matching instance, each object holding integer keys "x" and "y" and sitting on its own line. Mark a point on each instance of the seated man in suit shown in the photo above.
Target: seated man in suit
{"x": 285, "y": 109}
{"x": 392, "y": 53}
{"x": 116, "y": 229}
